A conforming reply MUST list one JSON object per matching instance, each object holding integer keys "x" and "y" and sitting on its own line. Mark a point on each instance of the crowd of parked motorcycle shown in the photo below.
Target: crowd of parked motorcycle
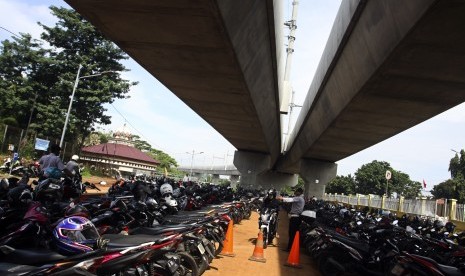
{"x": 342, "y": 241}
{"x": 140, "y": 227}
{"x": 157, "y": 226}
{"x": 20, "y": 167}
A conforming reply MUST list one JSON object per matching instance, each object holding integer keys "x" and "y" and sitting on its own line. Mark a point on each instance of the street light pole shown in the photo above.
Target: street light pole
{"x": 70, "y": 104}
{"x": 72, "y": 98}
{"x": 192, "y": 160}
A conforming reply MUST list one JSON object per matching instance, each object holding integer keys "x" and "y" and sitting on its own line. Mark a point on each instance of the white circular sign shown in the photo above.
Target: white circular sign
{"x": 388, "y": 175}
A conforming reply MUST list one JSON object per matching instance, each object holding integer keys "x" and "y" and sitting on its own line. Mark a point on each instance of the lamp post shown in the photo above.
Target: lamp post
{"x": 192, "y": 160}
{"x": 72, "y": 98}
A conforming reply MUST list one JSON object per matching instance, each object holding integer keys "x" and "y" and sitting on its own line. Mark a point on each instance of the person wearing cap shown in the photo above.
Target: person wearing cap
{"x": 72, "y": 167}
{"x": 51, "y": 160}
{"x": 297, "y": 207}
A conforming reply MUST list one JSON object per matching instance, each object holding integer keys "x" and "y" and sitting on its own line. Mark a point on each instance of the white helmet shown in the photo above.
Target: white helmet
{"x": 75, "y": 157}
{"x": 166, "y": 189}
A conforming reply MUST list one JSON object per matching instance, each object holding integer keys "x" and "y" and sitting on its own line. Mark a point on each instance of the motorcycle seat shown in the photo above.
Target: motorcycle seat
{"x": 119, "y": 241}
{"x": 356, "y": 244}
{"x": 32, "y": 256}
{"x": 16, "y": 269}
{"x": 160, "y": 229}
{"x": 448, "y": 270}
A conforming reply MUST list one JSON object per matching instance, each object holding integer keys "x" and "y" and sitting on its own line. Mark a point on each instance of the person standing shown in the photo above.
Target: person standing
{"x": 72, "y": 167}
{"x": 51, "y": 160}
{"x": 297, "y": 207}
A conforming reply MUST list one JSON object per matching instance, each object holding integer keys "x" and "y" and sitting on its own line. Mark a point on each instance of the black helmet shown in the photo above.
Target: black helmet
{"x": 77, "y": 210}
{"x": 20, "y": 196}
{"x": 450, "y": 227}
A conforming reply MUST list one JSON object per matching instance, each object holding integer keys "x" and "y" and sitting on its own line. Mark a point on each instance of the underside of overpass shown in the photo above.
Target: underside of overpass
{"x": 217, "y": 56}
{"x": 387, "y": 66}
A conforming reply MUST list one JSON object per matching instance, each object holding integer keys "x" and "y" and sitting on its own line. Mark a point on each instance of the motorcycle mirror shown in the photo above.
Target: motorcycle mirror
{"x": 359, "y": 222}
{"x": 446, "y": 233}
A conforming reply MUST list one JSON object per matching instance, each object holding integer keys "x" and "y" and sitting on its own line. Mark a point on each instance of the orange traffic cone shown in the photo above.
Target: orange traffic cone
{"x": 258, "y": 251}
{"x": 294, "y": 257}
{"x": 228, "y": 242}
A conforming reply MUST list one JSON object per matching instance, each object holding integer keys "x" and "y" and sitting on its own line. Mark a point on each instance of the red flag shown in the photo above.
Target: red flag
{"x": 424, "y": 184}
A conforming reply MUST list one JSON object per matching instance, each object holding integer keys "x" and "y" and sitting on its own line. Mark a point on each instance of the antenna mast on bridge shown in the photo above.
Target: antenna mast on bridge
{"x": 288, "y": 102}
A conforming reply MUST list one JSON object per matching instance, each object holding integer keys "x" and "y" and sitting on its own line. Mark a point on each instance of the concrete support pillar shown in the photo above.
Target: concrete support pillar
{"x": 251, "y": 164}
{"x": 216, "y": 179}
{"x": 255, "y": 172}
{"x": 316, "y": 175}
{"x": 383, "y": 202}
{"x": 401, "y": 205}
{"x": 453, "y": 208}
{"x": 423, "y": 206}
{"x": 234, "y": 180}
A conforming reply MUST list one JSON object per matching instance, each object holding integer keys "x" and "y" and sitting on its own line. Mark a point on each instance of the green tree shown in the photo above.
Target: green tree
{"x": 39, "y": 79}
{"x": 371, "y": 178}
{"x": 342, "y": 184}
{"x": 79, "y": 43}
{"x": 451, "y": 189}
{"x": 24, "y": 72}
{"x": 141, "y": 144}
{"x": 457, "y": 165}
{"x": 166, "y": 161}
{"x": 403, "y": 185}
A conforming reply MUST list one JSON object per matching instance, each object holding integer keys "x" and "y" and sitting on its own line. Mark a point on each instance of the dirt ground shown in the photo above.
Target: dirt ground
{"x": 244, "y": 237}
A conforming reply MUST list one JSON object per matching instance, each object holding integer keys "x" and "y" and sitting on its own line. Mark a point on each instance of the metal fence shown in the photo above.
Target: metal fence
{"x": 423, "y": 207}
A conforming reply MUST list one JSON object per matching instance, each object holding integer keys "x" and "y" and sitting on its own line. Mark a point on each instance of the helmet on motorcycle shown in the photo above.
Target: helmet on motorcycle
{"x": 20, "y": 195}
{"x": 438, "y": 223}
{"x": 151, "y": 203}
{"x": 75, "y": 157}
{"x": 140, "y": 190}
{"x": 74, "y": 235}
{"x": 77, "y": 210}
{"x": 48, "y": 191}
{"x": 166, "y": 189}
{"x": 450, "y": 227}
{"x": 4, "y": 184}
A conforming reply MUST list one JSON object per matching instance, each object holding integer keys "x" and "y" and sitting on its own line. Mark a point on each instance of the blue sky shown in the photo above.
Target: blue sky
{"x": 168, "y": 124}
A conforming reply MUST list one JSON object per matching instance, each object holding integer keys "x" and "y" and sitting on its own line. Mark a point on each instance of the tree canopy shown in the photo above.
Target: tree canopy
{"x": 38, "y": 76}
{"x": 371, "y": 179}
{"x": 453, "y": 188}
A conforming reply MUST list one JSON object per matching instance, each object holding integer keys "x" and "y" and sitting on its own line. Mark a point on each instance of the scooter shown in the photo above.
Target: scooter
{"x": 268, "y": 225}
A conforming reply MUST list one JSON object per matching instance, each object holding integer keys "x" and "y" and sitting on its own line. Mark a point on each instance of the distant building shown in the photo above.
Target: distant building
{"x": 119, "y": 157}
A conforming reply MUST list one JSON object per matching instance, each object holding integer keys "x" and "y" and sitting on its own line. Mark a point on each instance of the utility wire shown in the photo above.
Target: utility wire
{"x": 10, "y": 32}
{"x": 126, "y": 120}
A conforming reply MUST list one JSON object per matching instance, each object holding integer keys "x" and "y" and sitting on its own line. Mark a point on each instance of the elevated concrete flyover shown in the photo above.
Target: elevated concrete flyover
{"x": 218, "y": 56}
{"x": 387, "y": 66}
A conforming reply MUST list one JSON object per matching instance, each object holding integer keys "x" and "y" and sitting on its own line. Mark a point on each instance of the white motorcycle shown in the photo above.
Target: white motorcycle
{"x": 168, "y": 202}
{"x": 268, "y": 224}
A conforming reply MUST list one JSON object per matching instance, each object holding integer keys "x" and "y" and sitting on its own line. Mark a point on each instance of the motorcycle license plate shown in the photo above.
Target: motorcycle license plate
{"x": 201, "y": 248}
{"x": 397, "y": 270}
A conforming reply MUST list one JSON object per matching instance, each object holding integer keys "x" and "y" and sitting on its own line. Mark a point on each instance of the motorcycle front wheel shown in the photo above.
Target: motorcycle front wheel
{"x": 265, "y": 238}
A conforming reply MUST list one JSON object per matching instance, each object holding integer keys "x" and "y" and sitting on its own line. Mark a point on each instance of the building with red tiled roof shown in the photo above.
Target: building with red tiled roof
{"x": 119, "y": 155}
